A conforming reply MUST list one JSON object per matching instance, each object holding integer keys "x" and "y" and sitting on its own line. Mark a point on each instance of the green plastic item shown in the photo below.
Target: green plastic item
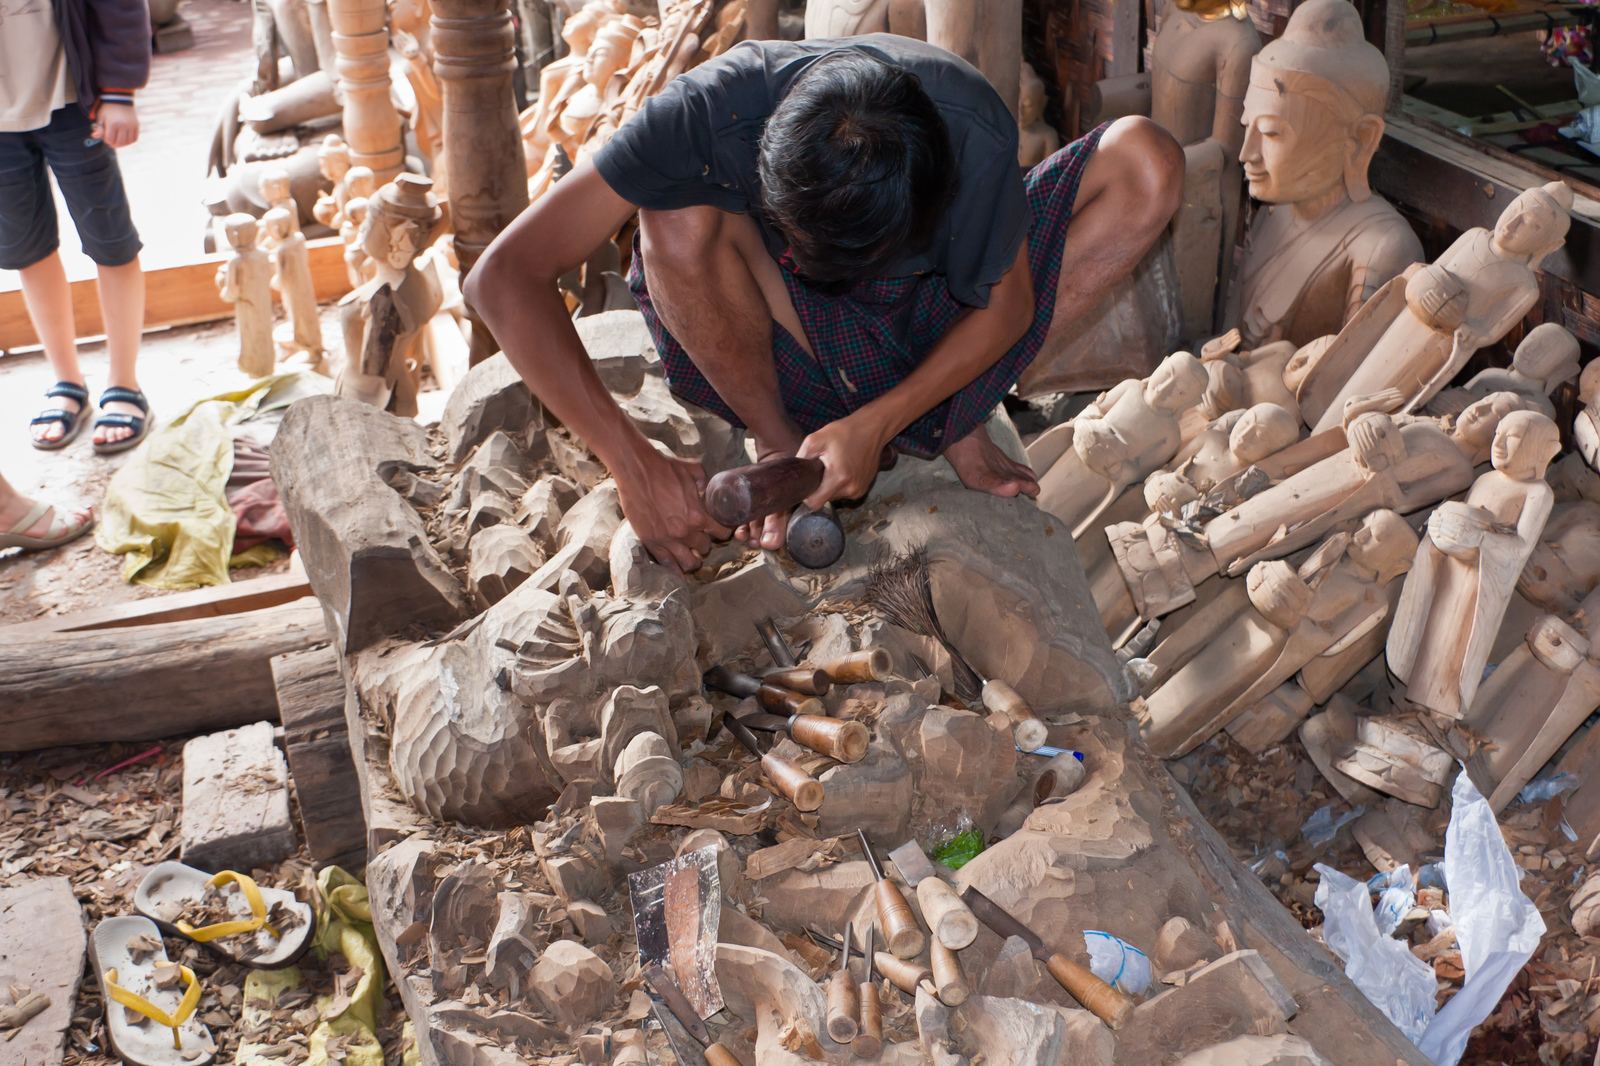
{"x": 959, "y": 849}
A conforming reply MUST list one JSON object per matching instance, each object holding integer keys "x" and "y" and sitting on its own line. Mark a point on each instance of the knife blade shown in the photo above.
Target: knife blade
{"x": 1098, "y": 997}
{"x": 664, "y": 986}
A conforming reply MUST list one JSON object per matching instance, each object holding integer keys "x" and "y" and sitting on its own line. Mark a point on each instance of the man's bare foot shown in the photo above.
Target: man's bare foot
{"x": 983, "y": 467}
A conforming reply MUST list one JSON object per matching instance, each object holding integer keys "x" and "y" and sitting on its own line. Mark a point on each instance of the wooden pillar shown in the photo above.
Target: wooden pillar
{"x": 475, "y": 58}
{"x": 1394, "y": 51}
{"x": 371, "y": 124}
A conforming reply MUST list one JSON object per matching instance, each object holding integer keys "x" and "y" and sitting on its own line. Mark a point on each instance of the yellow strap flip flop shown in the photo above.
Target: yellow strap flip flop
{"x": 257, "y": 919}
{"x": 134, "y": 1001}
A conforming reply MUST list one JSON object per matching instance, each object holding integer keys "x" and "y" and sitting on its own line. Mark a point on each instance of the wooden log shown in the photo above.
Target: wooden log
{"x": 365, "y": 550}
{"x": 147, "y": 682}
{"x": 311, "y": 704}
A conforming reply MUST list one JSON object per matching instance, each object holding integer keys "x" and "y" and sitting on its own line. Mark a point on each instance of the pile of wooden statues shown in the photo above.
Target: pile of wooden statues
{"x": 1294, "y": 518}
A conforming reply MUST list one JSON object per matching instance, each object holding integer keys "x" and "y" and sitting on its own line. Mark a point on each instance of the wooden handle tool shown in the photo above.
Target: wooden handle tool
{"x": 948, "y": 980}
{"x": 772, "y": 697}
{"x": 678, "y": 1004}
{"x": 802, "y": 679}
{"x": 836, "y": 738}
{"x": 1030, "y": 731}
{"x": 844, "y": 1000}
{"x": 1098, "y": 997}
{"x": 791, "y": 782}
{"x": 951, "y": 922}
{"x": 860, "y": 667}
{"x": 904, "y": 975}
{"x": 900, "y": 929}
{"x": 869, "y": 1036}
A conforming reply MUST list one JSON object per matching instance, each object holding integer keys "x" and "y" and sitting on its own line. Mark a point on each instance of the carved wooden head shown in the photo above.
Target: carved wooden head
{"x": 1176, "y": 384}
{"x": 1524, "y": 444}
{"x": 1385, "y": 544}
{"x": 1548, "y": 354}
{"x": 1263, "y": 430}
{"x": 1313, "y": 112}
{"x": 1535, "y": 223}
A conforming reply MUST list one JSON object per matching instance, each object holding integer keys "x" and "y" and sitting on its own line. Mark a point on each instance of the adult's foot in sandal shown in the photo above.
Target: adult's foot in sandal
{"x": 14, "y": 507}
{"x": 112, "y": 434}
{"x": 50, "y": 432}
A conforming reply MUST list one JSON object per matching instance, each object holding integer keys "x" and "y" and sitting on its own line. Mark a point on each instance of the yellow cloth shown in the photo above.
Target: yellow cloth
{"x": 167, "y": 508}
{"x": 344, "y": 925}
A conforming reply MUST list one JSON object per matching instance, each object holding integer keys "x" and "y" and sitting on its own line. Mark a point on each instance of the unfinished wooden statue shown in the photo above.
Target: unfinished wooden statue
{"x": 1467, "y": 566}
{"x": 333, "y": 158}
{"x": 1237, "y": 650}
{"x": 1547, "y": 356}
{"x": 411, "y": 32}
{"x": 606, "y": 57}
{"x": 1126, "y": 435}
{"x": 1403, "y": 465}
{"x": 1241, "y": 379}
{"x": 1535, "y": 699}
{"x": 1565, "y": 564}
{"x": 245, "y": 281}
{"x": 1424, "y": 327}
{"x": 292, "y": 278}
{"x": 1314, "y": 118}
{"x": 274, "y": 188}
{"x": 359, "y": 185}
{"x": 986, "y": 33}
{"x": 852, "y": 18}
{"x": 1199, "y": 70}
{"x": 1233, "y": 443}
{"x": 560, "y": 79}
{"x": 384, "y": 318}
{"x": 1037, "y": 140}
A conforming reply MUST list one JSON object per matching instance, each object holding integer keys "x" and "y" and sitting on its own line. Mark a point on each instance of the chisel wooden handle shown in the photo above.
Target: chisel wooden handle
{"x": 747, "y": 493}
{"x": 905, "y": 976}
{"x": 859, "y": 667}
{"x": 900, "y": 929}
{"x": 1031, "y": 733}
{"x": 792, "y": 783}
{"x": 869, "y": 1037}
{"x": 782, "y": 701}
{"x": 717, "y": 1055}
{"x": 1099, "y": 998}
{"x": 834, "y": 737}
{"x": 844, "y": 1005}
{"x": 950, "y": 920}
{"x": 948, "y": 980}
{"x": 803, "y": 679}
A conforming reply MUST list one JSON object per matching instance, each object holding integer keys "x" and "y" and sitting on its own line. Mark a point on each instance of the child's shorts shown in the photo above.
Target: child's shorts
{"x": 90, "y": 181}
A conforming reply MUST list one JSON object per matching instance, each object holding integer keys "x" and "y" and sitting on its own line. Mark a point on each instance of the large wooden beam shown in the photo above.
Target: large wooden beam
{"x": 148, "y": 682}
{"x": 174, "y": 296}
{"x": 317, "y": 739}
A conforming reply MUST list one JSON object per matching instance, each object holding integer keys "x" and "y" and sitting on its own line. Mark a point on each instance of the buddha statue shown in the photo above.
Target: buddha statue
{"x": 1037, "y": 139}
{"x": 1323, "y": 243}
{"x": 1467, "y": 566}
{"x": 1470, "y": 297}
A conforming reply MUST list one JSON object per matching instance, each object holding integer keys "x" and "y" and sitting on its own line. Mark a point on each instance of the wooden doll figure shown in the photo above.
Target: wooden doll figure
{"x": 333, "y": 158}
{"x": 384, "y": 318}
{"x": 245, "y": 281}
{"x": 292, "y": 279}
{"x": 1467, "y": 566}
{"x": 1038, "y": 140}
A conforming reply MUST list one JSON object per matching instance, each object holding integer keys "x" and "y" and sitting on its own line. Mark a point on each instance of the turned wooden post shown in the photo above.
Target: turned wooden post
{"x": 475, "y": 58}
{"x": 371, "y": 124}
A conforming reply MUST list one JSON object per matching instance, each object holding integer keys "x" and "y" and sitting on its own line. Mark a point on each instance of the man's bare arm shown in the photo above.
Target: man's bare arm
{"x": 513, "y": 288}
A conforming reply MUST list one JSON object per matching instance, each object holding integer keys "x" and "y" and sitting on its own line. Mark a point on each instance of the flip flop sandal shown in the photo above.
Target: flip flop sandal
{"x": 172, "y": 889}
{"x": 140, "y": 425}
{"x": 73, "y": 420}
{"x": 59, "y": 532}
{"x": 159, "y": 1027}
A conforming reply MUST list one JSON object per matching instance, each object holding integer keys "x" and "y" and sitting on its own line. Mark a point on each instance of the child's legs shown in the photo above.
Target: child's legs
{"x": 29, "y": 242}
{"x": 91, "y": 183}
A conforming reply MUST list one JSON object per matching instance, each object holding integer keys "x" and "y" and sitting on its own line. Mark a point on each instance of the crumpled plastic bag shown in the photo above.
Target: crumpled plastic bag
{"x": 1397, "y": 895}
{"x": 1117, "y": 962}
{"x": 166, "y": 510}
{"x": 1497, "y": 926}
{"x": 1396, "y": 981}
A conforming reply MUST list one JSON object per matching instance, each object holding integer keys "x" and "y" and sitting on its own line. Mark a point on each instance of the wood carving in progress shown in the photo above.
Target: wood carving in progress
{"x": 245, "y": 281}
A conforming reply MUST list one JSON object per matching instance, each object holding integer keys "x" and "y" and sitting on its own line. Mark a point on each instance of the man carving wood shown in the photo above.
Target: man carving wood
{"x": 836, "y": 250}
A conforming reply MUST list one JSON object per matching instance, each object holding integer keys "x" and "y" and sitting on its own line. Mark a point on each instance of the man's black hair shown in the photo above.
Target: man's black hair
{"x": 856, "y": 167}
